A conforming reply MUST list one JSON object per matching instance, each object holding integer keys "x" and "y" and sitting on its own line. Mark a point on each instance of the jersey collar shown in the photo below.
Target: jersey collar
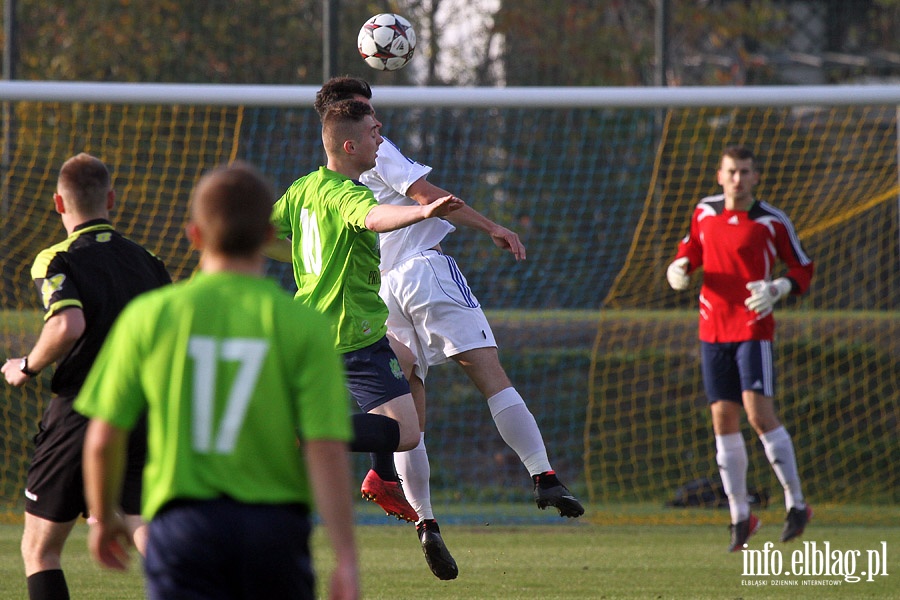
{"x": 92, "y": 223}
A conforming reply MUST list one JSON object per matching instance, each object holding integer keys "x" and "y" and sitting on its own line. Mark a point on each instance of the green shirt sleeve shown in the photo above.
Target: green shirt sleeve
{"x": 354, "y": 205}
{"x": 321, "y": 397}
{"x": 281, "y": 217}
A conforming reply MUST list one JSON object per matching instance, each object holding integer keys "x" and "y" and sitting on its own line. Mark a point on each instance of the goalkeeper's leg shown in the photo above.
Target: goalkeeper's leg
{"x": 776, "y": 440}
{"x": 731, "y": 457}
{"x": 780, "y": 451}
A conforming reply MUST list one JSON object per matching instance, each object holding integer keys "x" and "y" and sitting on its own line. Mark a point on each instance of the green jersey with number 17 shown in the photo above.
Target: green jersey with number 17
{"x": 335, "y": 258}
{"x": 231, "y": 370}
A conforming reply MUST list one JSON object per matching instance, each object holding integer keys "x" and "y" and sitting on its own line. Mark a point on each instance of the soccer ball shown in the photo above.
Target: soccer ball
{"x": 386, "y": 42}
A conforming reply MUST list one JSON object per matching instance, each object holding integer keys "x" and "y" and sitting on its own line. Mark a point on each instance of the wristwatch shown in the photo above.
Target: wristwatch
{"x": 23, "y": 366}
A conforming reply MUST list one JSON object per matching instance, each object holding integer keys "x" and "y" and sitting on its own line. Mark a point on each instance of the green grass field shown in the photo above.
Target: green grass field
{"x": 624, "y": 551}
{"x": 629, "y": 552}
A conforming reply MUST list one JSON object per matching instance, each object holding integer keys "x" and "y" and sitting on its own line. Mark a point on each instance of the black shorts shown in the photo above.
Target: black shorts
{"x": 226, "y": 549}
{"x": 54, "y": 486}
{"x": 374, "y": 376}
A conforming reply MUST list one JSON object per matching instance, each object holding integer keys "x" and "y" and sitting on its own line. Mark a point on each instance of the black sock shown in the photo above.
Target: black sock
{"x": 48, "y": 585}
{"x": 383, "y": 464}
{"x": 375, "y": 433}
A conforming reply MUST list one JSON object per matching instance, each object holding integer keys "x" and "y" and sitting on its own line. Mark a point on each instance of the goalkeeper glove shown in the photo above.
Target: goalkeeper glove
{"x": 764, "y": 294}
{"x": 677, "y": 274}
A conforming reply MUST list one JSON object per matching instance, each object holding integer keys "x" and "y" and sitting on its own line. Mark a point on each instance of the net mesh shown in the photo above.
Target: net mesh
{"x": 604, "y": 353}
{"x": 834, "y": 171}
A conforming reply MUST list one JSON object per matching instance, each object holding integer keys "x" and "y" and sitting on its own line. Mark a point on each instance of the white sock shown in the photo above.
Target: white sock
{"x": 415, "y": 472}
{"x": 731, "y": 456}
{"x": 519, "y": 430}
{"x": 780, "y": 452}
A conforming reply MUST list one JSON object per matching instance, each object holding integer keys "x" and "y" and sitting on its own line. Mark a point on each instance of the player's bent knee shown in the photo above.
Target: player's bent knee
{"x": 409, "y": 438}
{"x": 403, "y": 410}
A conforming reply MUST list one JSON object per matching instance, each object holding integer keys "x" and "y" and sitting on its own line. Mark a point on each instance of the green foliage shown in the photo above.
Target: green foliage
{"x": 124, "y": 40}
{"x": 581, "y": 43}
{"x": 239, "y": 41}
{"x": 526, "y": 42}
{"x": 551, "y": 43}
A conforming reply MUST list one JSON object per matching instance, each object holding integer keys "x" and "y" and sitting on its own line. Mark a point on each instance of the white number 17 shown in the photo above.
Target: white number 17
{"x": 207, "y": 353}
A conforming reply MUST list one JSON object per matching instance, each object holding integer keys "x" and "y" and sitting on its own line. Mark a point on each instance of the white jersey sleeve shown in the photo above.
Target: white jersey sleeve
{"x": 389, "y": 181}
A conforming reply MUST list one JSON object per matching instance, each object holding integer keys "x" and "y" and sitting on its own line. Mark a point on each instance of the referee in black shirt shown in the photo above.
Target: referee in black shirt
{"x": 84, "y": 282}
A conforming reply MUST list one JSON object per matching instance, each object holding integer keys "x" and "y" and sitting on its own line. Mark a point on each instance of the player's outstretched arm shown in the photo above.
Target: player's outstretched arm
{"x": 388, "y": 217}
{"x": 328, "y": 464}
{"x": 424, "y": 192}
{"x": 502, "y": 237}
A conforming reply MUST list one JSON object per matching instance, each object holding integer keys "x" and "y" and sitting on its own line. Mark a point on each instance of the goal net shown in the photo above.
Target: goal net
{"x": 600, "y": 184}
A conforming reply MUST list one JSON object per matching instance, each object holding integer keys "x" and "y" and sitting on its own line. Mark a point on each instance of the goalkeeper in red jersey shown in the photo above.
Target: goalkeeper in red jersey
{"x": 738, "y": 240}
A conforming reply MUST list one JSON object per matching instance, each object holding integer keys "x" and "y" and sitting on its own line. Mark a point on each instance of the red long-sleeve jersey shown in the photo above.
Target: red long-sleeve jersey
{"x": 735, "y": 248}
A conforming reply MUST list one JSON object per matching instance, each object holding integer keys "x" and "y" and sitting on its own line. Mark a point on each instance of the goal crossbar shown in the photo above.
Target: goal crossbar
{"x": 531, "y": 97}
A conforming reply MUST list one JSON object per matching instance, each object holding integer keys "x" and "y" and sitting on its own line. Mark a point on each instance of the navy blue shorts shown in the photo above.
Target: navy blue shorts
{"x": 374, "y": 376}
{"x": 222, "y": 549}
{"x": 732, "y": 367}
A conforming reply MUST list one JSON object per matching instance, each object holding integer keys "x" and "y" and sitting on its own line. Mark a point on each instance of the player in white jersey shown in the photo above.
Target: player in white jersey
{"x": 434, "y": 314}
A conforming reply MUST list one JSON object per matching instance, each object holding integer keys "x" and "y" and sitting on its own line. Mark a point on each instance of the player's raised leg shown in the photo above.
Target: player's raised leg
{"x": 518, "y": 428}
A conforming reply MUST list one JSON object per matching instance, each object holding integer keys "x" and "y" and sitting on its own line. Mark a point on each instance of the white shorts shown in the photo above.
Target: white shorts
{"x": 432, "y": 311}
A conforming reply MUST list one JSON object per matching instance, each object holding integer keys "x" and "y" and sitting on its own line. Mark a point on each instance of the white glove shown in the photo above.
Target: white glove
{"x": 764, "y": 294}
{"x": 677, "y": 274}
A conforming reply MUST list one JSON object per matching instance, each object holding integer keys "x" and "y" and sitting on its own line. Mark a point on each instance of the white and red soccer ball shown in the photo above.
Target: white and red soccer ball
{"x": 386, "y": 42}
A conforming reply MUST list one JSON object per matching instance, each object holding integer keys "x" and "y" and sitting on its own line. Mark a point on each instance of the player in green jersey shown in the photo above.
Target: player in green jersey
{"x": 333, "y": 222}
{"x": 231, "y": 372}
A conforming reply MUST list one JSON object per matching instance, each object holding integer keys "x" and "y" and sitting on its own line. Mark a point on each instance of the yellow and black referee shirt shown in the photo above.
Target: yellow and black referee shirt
{"x": 97, "y": 270}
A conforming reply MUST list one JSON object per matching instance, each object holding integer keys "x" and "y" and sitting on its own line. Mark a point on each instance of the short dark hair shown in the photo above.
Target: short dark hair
{"x": 738, "y": 152}
{"x": 346, "y": 110}
{"x": 86, "y": 181}
{"x": 232, "y": 206}
{"x": 340, "y": 88}
{"x": 339, "y": 120}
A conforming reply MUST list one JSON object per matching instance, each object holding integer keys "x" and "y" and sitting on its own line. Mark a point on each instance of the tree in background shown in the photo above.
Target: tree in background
{"x": 242, "y": 41}
{"x": 578, "y": 43}
{"x": 239, "y": 41}
{"x": 489, "y": 42}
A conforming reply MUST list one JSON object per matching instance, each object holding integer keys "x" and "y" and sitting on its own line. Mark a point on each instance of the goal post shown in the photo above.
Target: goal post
{"x": 599, "y": 183}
